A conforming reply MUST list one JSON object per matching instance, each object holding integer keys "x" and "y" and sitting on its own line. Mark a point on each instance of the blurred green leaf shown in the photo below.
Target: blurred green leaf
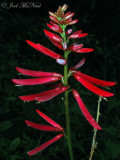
{"x": 5, "y": 125}
{"x": 15, "y": 143}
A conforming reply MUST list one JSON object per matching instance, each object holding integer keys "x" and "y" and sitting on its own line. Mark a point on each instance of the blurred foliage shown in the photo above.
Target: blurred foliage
{"x": 101, "y": 20}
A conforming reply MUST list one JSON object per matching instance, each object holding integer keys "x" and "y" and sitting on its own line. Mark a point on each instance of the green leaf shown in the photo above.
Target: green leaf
{"x": 15, "y": 143}
{"x": 5, "y": 125}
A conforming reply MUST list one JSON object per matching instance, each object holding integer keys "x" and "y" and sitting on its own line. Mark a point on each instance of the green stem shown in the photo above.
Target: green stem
{"x": 67, "y": 108}
{"x": 94, "y": 143}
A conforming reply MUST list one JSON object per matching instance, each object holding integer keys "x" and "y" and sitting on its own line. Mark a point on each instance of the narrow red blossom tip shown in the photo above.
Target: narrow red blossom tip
{"x": 85, "y": 111}
{"x": 44, "y": 96}
{"x": 84, "y": 50}
{"x": 54, "y": 19}
{"x": 77, "y": 35}
{"x": 95, "y": 80}
{"x": 69, "y": 31}
{"x": 43, "y": 146}
{"x": 80, "y": 64}
{"x": 73, "y": 22}
{"x": 75, "y": 46}
{"x": 49, "y": 95}
{"x": 49, "y": 120}
{"x": 69, "y": 16}
{"x": 91, "y": 87}
{"x": 41, "y": 127}
{"x": 52, "y": 14}
{"x": 55, "y": 28}
{"x": 53, "y": 36}
{"x": 61, "y": 61}
{"x": 37, "y": 73}
{"x": 44, "y": 50}
{"x": 57, "y": 44}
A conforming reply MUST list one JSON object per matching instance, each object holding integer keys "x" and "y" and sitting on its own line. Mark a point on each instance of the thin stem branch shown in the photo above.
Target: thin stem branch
{"x": 94, "y": 143}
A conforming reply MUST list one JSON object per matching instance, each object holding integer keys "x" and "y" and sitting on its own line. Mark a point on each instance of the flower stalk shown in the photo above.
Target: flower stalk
{"x": 94, "y": 143}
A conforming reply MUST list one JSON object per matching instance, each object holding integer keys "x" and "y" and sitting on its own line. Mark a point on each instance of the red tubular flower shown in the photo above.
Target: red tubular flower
{"x": 84, "y": 50}
{"x": 69, "y": 16}
{"x": 95, "y": 80}
{"x": 78, "y": 65}
{"x": 53, "y": 36}
{"x": 44, "y": 96}
{"x": 35, "y": 81}
{"x": 49, "y": 120}
{"x": 52, "y": 14}
{"x": 75, "y": 46}
{"x": 85, "y": 111}
{"x": 78, "y": 34}
{"x": 43, "y": 146}
{"x": 91, "y": 87}
{"x": 37, "y": 73}
{"x": 72, "y": 22}
{"x": 47, "y": 51}
{"x": 54, "y": 19}
{"x": 55, "y": 28}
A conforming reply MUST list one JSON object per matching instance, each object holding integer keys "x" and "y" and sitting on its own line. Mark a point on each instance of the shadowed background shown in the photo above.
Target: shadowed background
{"x": 100, "y": 19}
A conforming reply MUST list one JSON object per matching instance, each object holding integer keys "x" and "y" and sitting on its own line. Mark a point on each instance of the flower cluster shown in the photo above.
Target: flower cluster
{"x": 58, "y": 23}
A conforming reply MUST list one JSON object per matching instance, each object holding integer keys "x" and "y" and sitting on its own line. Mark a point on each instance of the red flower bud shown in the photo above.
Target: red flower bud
{"x": 84, "y": 50}
{"x": 69, "y": 16}
{"x": 54, "y": 19}
{"x": 72, "y": 22}
{"x": 78, "y": 65}
{"x": 75, "y": 46}
{"x": 69, "y": 31}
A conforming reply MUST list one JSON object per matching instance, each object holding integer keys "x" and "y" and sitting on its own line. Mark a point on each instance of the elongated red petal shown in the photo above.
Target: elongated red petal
{"x": 91, "y": 87}
{"x": 55, "y": 28}
{"x": 49, "y": 120}
{"x": 45, "y": 96}
{"x": 54, "y": 19}
{"x": 52, "y": 14}
{"x": 75, "y": 46}
{"x": 69, "y": 16}
{"x": 78, "y": 35}
{"x": 35, "y": 81}
{"x": 36, "y": 73}
{"x": 83, "y": 50}
{"x": 43, "y": 146}
{"x": 53, "y": 36}
{"x": 78, "y": 65}
{"x": 95, "y": 80}
{"x": 85, "y": 111}
{"x": 49, "y": 95}
{"x": 57, "y": 44}
{"x": 41, "y": 127}
{"x": 72, "y": 22}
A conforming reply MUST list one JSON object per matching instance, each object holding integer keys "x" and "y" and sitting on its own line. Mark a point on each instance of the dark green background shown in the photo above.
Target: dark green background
{"x": 100, "y": 19}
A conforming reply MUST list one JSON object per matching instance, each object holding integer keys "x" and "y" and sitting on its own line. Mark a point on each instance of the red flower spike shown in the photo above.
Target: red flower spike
{"x": 43, "y": 146}
{"x": 44, "y": 50}
{"x": 75, "y": 46}
{"x": 91, "y": 87}
{"x": 54, "y": 19}
{"x": 95, "y": 80}
{"x": 84, "y": 50}
{"x": 69, "y": 16}
{"x": 41, "y": 127}
{"x": 35, "y": 81}
{"x": 49, "y": 120}
{"x": 37, "y": 73}
{"x": 45, "y": 96}
{"x": 85, "y": 111}
{"x": 69, "y": 31}
{"x": 73, "y": 22}
{"x": 78, "y": 65}
{"x": 77, "y": 35}
{"x": 53, "y": 36}
{"x": 49, "y": 95}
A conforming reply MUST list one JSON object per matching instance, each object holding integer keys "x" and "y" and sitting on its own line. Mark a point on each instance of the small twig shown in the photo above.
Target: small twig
{"x": 94, "y": 143}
